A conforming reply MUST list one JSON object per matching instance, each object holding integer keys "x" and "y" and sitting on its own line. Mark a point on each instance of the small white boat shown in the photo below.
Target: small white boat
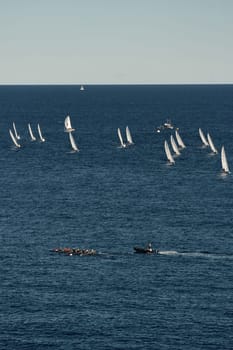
{"x": 168, "y": 153}
{"x": 14, "y": 139}
{"x": 174, "y": 146}
{"x": 179, "y": 140}
{"x": 82, "y": 88}
{"x": 15, "y": 131}
{"x": 68, "y": 126}
{"x": 225, "y": 166}
{"x": 31, "y": 133}
{"x": 128, "y": 136}
{"x": 123, "y": 145}
{"x": 72, "y": 142}
{"x": 210, "y": 141}
{"x": 40, "y": 134}
{"x": 203, "y": 138}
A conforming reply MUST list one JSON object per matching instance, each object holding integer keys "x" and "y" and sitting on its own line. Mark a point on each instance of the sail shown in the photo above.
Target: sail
{"x": 120, "y": 137}
{"x": 174, "y": 146}
{"x": 211, "y": 144}
{"x": 202, "y": 136}
{"x": 168, "y": 153}
{"x": 128, "y": 136}
{"x": 72, "y": 142}
{"x": 15, "y": 131}
{"x": 40, "y": 134}
{"x": 225, "y": 167}
{"x": 82, "y": 88}
{"x": 179, "y": 140}
{"x": 68, "y": 126}
{"x": 31, "y": 133}
{"x": 14, "y": 139}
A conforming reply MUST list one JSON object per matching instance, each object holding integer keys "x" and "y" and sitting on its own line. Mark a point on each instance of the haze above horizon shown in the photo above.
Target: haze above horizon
{"x": 116, "y": 42}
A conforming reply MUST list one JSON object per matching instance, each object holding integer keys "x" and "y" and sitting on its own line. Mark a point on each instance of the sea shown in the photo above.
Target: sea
{"x": 111, "y": 199}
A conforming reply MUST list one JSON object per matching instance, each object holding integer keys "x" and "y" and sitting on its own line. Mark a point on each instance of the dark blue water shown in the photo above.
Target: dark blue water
{"x": 111, "y": 199}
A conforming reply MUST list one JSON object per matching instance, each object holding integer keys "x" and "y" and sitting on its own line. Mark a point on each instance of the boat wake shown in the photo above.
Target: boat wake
{"x": 198, "y": 254}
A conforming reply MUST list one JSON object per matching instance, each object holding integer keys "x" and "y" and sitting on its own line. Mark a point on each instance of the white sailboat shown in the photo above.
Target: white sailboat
{"x": 81, "y": 88}
{"x": 225, "y": 166}
{"x": 203, "y": 138}
{"x": 68, "y": 126}
{"x": 128, "y": 136}
{"x": 179, "y": 140}
{"x": 213, "y": 148}
{"x": 14, "y": 139}
{"x": 120, "y": 137}
{"x": 72, "y": 142}
{"x": 15, "y": 131}
{"x": 174, "y": 146}
{"x": 31, "y": 133}
{"x": 40, "y": 134}
{"x": 168, "y": 153}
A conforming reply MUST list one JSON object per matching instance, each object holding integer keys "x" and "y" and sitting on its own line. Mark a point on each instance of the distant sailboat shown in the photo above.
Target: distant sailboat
{"x": 82, "y": 88}
{"x": 40, "y": 134}
{"x": 174, "y": 146}
{"x": 128, "y": 136}
{"x": 225, "y": 167}
{"x": 67, "y": 122}
{"x": 168, "y": 153}
{"x": 203, "y": 138}
{"x": 120, "y": 137}
{"x": 214, "y": 150}
{"x": 14, "y": 139}
{"x": 72, "y": 142}
{"x": 31, "y": 133}
{"x": 179, "y": 140}
{"x": 15, "y": 131}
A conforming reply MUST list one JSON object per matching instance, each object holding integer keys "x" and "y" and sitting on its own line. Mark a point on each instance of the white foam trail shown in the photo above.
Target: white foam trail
{"x": 168, "y": 252}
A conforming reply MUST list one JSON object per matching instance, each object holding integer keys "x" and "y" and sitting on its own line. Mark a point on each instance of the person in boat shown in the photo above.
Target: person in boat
{"x": 149, "y": 248}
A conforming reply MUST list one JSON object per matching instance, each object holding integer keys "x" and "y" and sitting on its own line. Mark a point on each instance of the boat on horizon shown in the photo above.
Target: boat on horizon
{"x": 40, "y": 134}
{"x": 168, "y": 153}
{"x": 212, "y": 146}
{"x": 123, "y": 145}
{"x": 225, "y": 167}
{"x": 203, "y": 138}
{"x": 15, "y": 131}
{"x": 31, "y": 133}
{"x": 146, "y": 250}
{"x": 128, "y": 136}
{"x": 14, "y": 139}
{"x": 68, "y": 126}
{"x": 73, "y": 143}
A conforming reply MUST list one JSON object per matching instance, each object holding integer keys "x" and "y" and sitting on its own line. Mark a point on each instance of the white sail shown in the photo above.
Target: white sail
{"x": 14, "y": 139}
{"x": 72, "y": 142}
{"x": 179, "y": 140}
{"x": 15, "y": 131}
{"x": 225, "y": 167}
{"x": 40, "y": 134}
{"x": 202, "y": 136}
{"x": 68, "y": 126}
{"x": 120, "y": 137}
{"x": 128, "y": 136}
{"x": 82, "y": 88}
{"x": 168, "y": 153}
{"x": 31, "y": 133}
{"x": 174, "y": 146}
{"x": 211, "y": 144}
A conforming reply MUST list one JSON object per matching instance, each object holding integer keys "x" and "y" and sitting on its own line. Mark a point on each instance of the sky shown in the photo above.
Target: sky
{"x": 116, "y": 41}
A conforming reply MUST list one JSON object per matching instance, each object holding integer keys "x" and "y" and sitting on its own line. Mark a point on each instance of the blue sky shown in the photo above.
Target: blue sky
{"x": 116, "y": 41}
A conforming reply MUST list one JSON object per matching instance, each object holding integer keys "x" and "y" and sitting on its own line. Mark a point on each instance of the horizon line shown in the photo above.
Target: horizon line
{"x": 89, "y": 84}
